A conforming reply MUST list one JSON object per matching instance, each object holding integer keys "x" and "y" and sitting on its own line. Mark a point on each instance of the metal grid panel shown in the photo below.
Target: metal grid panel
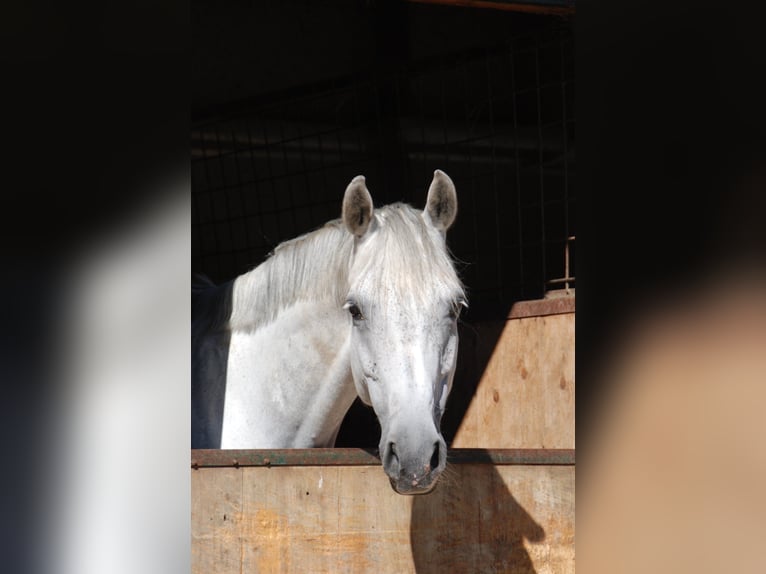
{"x": 499, "y": 120}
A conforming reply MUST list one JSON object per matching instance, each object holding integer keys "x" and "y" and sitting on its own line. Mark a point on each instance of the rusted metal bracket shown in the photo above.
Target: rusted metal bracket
{"x": 567, "y": 278}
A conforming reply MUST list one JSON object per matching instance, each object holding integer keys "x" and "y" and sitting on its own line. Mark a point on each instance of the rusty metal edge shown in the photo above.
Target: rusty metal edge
{"x": 209, "y": 458}
{"x": 542, "y": 307}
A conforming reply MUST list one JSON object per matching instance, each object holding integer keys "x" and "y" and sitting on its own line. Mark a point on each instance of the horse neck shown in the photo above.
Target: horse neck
{"x": 295, "y": 296}
{"x": 310, "y": 268}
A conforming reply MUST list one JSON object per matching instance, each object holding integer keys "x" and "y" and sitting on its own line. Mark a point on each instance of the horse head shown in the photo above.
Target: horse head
{"x": 403, "y": 302}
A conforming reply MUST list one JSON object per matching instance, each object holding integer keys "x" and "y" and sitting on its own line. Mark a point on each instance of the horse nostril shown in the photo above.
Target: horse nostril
{"x": 392, "y": 459}
{"x": 435, "y": 456}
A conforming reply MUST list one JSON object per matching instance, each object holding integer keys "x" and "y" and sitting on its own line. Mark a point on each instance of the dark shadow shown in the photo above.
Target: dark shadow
{"x": 360, "y": 428}
{"x": 479, "y": 333}
{"x": 211, "y": 308}
{"x": 471, "y": 523}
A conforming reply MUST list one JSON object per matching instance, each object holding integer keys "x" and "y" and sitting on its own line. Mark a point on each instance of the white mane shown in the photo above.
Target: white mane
{"x": 313, "y": 266}
{"x": 409, "y": 257}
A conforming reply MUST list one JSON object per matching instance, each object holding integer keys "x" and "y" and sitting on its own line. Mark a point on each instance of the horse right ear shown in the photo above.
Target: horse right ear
{"x": 441, "y": 204}
{"x": 357, "y": 207}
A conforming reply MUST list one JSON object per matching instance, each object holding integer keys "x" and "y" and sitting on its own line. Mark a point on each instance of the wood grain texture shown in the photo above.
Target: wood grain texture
{"x": 526, "y": 395}
{"x": 216, "y": 520}
{"x": 480, "y": 518}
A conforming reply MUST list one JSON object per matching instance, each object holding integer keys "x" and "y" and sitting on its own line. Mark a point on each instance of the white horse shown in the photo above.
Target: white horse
{"x": 366, "y": 305}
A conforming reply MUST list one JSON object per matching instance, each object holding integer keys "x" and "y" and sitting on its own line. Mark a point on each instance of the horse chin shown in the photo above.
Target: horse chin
{"x": 406, "y": 488}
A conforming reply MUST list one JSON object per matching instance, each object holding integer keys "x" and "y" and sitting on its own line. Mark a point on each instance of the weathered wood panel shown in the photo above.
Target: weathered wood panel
{"x": 526, "y": 395}
{"x": 480, "y": 518}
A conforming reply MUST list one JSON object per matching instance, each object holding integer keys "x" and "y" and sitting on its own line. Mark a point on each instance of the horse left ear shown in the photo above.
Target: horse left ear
{"x": 357, "y": 207}
{"x": 441, "y": 205}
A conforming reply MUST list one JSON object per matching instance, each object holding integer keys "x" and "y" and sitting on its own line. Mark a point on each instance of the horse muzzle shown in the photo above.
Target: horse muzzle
{"x": 414, "y": 471}
{"x": 413, "y": 486}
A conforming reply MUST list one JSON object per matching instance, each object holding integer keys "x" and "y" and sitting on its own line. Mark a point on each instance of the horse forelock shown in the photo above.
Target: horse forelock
{"x": 407, "y": 258}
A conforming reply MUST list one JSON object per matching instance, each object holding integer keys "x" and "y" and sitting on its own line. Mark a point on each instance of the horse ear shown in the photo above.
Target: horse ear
{"x": 441, "y": 205}
{"x": 357, "y": 207}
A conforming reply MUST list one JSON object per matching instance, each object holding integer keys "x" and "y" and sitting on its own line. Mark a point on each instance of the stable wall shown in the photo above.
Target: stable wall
{"x": 481, "y": 518}
{"x": 525, "y": 397}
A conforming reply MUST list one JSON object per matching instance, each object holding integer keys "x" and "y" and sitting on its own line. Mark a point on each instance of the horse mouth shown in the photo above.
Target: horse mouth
{"x": 413, "y": 488}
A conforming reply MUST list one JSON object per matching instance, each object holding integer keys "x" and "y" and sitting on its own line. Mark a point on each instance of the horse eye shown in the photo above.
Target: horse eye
{"x": 356, "y": 314}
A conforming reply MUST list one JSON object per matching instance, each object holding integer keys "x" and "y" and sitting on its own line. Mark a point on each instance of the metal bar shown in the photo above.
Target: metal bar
{"x": 516, "y": 164}
{"x": 565, "y": 155}
{"x": 540, "y": 162}
{"x": 566, "y": 279}
{"x": 566, "y": 266}
{"x": 209, "y": 458}
{"x": 499, "y": 259}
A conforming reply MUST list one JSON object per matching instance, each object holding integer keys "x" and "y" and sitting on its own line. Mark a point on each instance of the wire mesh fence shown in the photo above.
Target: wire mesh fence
{"x": 499, "y": 120}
